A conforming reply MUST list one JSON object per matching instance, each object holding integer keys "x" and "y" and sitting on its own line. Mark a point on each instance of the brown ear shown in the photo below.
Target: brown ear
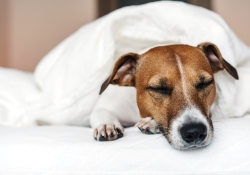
{"x": 216, "y": 60}
{"x": 123, "y": 73}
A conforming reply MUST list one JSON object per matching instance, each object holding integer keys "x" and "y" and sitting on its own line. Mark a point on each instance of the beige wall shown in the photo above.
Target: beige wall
{"x": 237, "y": 14}
{"x": 36, "y": 26}
{"x": 3, "y": 32}
{"x": 31, "y": 28}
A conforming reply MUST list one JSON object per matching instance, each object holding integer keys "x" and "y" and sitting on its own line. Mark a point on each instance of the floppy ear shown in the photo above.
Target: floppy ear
{"x": 123, "y": 73}
{"x": 216, "y": 60}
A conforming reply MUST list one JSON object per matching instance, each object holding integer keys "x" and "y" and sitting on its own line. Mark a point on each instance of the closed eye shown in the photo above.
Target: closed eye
{"x": 160, "y": 90}
{"x": 204, "y": 84}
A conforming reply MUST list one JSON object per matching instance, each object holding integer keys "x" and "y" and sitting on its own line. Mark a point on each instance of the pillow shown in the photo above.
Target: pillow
{"x": 19, "y": 98}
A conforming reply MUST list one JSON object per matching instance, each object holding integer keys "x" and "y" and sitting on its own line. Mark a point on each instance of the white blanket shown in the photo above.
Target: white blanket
{"x": 67, "y": 81}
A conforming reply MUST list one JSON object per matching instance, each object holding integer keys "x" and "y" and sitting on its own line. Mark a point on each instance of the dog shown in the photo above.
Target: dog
{"x": 175, "y": 89}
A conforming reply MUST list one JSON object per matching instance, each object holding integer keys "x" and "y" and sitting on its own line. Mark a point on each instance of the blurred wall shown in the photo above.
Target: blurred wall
{"x": 237, "y": 15}
{"x": 31, "y": 28}
{"x": 3, "y": 32}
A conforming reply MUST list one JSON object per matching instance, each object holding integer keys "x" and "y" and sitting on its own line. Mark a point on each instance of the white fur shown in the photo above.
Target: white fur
{"x": 183, "y": 78}
{"x": 117, "y": 107}
{"x": 190, "y": 114}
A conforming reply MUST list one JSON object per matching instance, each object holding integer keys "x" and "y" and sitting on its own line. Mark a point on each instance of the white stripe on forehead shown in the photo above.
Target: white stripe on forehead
{"x": 183, "y": 78}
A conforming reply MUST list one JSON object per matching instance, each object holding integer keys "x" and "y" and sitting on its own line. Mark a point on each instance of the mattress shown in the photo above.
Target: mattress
{"x": 72, "y": 150}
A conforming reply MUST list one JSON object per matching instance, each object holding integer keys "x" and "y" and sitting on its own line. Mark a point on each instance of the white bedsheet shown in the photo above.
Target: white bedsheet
{"x": 56, "y": 150}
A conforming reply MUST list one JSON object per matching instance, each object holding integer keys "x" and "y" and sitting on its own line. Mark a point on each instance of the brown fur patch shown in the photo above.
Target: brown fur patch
{"x": 163, "y": 90}
{"x": 160, "y": 63}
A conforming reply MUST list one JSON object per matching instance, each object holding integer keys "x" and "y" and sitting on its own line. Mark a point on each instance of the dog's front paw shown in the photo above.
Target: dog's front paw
{"x": 108, "y": 132}
{"x": 148, "y": 126}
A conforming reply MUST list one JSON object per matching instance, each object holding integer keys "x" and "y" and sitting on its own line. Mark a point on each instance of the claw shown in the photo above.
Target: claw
{"x": 120, "y": 134}
{"x": 148, "y": 131}
{"x": 102, "y": 138}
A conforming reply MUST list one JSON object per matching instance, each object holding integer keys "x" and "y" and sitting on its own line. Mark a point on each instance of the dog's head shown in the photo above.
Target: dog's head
{"x": 175, "y": 86}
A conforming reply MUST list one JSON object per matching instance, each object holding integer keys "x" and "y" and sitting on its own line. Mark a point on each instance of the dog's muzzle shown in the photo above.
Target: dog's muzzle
{"x": 190, "y": 130}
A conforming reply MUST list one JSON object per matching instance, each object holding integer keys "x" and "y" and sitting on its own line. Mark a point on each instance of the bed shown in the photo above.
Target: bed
{"x": 60, "y": 95}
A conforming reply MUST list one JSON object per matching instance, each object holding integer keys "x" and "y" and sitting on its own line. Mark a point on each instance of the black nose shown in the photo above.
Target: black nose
{"x": 193, "y": 132}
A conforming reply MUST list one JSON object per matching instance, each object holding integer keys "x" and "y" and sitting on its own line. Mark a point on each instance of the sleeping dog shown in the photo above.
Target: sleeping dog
{"x": 175, "y": 89}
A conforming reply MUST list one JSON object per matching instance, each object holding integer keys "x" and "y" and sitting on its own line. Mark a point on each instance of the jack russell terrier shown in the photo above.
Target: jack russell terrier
{"x": 175, "y": 89}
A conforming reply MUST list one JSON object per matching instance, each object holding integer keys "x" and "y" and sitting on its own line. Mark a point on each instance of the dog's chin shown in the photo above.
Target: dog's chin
{"x": 189, "y": 147}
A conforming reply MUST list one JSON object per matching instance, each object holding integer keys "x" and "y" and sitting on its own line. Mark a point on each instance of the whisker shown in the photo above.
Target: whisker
{"x": 215, "y": 137}
{"x": 216, "y": 129}
{"x": 219, "y": 122}
{"x": 159, "y": 137}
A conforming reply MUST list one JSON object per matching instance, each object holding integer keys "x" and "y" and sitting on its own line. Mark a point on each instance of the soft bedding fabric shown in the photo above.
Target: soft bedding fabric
{"x": 72, "y": 150}
{"x": 18, "y": 97}
{"x": 70, "y": 76}
{"x": 67, "y": 81}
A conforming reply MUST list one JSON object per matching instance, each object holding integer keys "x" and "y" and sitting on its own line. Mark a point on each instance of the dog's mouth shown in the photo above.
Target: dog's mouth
{"x": 190, "y": 146}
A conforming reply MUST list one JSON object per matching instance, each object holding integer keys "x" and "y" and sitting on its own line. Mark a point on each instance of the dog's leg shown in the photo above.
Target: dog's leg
{"x": 115, "y": 108}
{"x": 148, "y": 126}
